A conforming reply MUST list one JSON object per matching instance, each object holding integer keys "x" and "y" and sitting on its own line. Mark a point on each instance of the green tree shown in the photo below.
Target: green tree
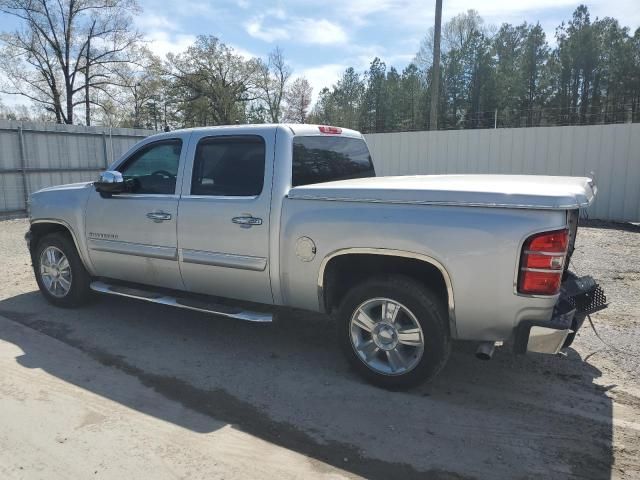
{"x": 374, "y": 103}
{"x": 213, "y": 82}
{"x": 532, "y": 74}
{"x": 412, "y": 104}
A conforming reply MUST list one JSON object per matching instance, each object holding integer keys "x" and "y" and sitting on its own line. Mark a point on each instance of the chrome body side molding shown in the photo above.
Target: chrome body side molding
{"x": 393, "y": 253}
{"x": 186, "y": 303}
{"x": 243, "y": 262}
{"x": 135, "y": 249}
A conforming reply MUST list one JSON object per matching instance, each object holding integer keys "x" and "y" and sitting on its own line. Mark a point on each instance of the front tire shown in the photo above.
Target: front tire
{"x": 59, "y": 271}
{"x": 394, "y": 331}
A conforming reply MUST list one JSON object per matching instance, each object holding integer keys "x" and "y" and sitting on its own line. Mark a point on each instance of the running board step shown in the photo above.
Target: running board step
{"x": 196, "y": 304}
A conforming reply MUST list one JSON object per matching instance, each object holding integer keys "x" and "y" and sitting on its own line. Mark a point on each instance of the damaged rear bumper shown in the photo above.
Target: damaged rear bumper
{"x": 579, "y": 297}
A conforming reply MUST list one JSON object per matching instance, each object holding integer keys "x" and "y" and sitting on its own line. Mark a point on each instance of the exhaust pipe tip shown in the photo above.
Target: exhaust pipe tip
{"x": 485, "y": 350}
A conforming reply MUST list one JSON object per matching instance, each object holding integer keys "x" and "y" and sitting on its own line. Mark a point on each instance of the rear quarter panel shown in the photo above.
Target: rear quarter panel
{"x": 479, "y": 248}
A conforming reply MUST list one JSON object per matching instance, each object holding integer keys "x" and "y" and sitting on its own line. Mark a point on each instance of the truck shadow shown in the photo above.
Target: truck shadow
{"x": 286, "y": 383}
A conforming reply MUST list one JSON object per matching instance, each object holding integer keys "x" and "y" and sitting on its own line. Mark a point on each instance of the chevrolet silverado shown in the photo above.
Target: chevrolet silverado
{"x": 239, "y": 220}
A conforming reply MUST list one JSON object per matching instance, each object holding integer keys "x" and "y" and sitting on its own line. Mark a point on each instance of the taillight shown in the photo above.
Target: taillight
{"x": 331, "y": 130}
{"x": 542, "y": 263}
{"x": 555, "y": 242}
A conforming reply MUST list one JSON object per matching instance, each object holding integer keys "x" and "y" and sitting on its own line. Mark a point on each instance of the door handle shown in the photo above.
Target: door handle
{"x": 159, "y": 216}
{"x": 247, "y": 221}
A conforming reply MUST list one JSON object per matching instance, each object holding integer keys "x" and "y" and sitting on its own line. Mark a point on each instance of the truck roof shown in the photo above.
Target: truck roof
{"x": 296, "y": 129}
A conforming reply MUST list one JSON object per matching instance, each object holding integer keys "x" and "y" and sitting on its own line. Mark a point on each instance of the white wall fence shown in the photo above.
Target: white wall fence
{"x": 611, "y": 151}
{"x": 37, "y": 155}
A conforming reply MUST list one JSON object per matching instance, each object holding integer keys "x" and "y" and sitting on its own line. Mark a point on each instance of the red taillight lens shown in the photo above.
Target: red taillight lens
{"x": 555, "y": 242}
{"x": 542, "y": 263}
{"x": 540, "y": 283}
{"x": 331, "y": 130}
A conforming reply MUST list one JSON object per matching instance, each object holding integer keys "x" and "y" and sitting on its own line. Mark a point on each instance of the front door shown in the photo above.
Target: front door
{"x": 132, "y": 235}
{"x": 223, "y": 230}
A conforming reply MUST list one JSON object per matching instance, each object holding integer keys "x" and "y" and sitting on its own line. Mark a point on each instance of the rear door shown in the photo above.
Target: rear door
{"x": 223, "y": 229}
{"x": 132, "y": 236}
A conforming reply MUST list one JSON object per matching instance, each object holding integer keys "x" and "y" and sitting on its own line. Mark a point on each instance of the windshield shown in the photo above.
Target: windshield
{"x": 321, "y": 159}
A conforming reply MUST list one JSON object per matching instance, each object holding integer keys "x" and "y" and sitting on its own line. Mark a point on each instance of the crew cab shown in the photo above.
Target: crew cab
{"x": 240, "y": 220}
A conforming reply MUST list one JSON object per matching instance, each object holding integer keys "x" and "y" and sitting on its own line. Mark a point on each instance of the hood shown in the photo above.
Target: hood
{"x": 68, "y": 186}
{"x": 506, "y": 191}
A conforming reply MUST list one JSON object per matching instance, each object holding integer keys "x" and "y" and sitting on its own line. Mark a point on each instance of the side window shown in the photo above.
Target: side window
{"x": 229, "y": 166}
{"x": 153, "y": 169}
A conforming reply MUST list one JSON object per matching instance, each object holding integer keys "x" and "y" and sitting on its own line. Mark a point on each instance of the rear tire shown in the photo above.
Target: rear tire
{"x": 59, "y": 271}
{"x": 394, "y": 331}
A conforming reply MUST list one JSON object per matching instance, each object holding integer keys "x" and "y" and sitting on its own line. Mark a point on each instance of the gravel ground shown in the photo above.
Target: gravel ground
{"x": 575, "y": 415}
{"x": 611, "y": 253}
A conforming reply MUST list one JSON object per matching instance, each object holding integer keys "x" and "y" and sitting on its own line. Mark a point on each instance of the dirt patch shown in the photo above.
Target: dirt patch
{"x": 567, "y": 416}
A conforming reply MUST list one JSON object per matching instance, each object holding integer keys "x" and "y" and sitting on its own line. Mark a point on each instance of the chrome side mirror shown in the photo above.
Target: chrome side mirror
{"x": 109, "y": 182}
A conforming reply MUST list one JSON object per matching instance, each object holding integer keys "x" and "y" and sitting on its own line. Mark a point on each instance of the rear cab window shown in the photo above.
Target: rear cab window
{"x": 319, "y": 159}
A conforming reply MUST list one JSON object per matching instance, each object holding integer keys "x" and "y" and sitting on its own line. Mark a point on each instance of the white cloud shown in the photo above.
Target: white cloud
{"x": 161, "y": 42}
{"x": 319, "y": 32}
{"x": 303, "y": 29}
{"x": 194, "y": 8}
{"x": 278, "y": 13}
{"x": 358, "y": 10}
{"x": 322, "y": 76}
{"x": 267, "y": 34}
{"x": 152, "y": 21}
{"x": 369, "y": 7}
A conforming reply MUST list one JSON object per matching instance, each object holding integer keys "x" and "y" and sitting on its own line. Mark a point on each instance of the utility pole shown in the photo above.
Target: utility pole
{"x": 87, "y": 103}
{"x": 435, "y": 68}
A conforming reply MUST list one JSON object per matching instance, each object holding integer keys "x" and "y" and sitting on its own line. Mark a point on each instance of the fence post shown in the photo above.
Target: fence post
{"x": 23, "y": 169}
{"x": 111, "y": 141}
{"x": 104, "y": 149}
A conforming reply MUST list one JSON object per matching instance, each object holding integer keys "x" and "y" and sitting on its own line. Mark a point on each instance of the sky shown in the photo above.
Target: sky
{"x": 321, "y": 38}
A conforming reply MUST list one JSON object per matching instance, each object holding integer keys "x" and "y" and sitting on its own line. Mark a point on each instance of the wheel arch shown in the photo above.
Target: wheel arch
{"x": 40, "y": 228}
{"x": 399, "y": 261}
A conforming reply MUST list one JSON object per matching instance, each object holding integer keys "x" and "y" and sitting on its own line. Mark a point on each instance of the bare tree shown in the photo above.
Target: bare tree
{"x": 64, "y": 49}
{"x": 298, "y": 100}
{"x": 272, "y": 82}
{"x": 138, "y": 89}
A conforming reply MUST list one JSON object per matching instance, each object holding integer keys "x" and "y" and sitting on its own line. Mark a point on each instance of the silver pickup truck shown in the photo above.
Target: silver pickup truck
{"x": 239, "y": 220}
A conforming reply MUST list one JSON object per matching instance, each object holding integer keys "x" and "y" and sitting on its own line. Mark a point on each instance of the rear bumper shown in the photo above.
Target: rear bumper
{"x": 544, "y": 337}
{"x": 579, "y": 297}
